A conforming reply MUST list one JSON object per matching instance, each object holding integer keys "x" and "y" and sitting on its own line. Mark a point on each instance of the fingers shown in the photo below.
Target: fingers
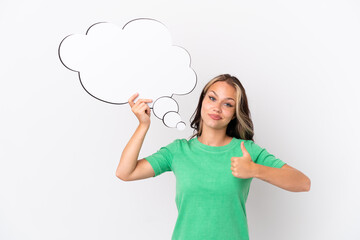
{"x": 243, "y": 149}
{"x": 141, "y": 103}
{"x": 147, "y": 110}
{"x": 133, "y": 97}
{"x": 141, "y": 108}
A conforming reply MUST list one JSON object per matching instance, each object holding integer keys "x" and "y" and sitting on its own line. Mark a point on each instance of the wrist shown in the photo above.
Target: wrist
{"x": 144, "y": 126}
{"x": 256, "y": 170}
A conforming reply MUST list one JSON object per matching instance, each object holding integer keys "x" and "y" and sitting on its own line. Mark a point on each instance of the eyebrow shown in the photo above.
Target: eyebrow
{"x": 226, "y": 98}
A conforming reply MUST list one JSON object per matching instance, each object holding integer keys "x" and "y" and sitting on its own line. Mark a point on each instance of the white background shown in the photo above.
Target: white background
{"x": 59, "y": 147}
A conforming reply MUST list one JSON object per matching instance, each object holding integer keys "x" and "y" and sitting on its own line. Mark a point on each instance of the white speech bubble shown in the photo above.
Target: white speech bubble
{"x": 114, "y": 63}
{"x": 173, "y": 119}
{"x": 166, "y": 108}
{"x": 163, "y": 105}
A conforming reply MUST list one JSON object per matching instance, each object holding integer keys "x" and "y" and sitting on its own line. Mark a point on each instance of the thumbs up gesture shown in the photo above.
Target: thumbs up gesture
{"x": 243, "y": 167}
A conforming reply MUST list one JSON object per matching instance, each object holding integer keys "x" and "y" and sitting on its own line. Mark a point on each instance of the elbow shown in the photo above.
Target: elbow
{"x": 120, "y": 177}
{"x": 307, "y": 185}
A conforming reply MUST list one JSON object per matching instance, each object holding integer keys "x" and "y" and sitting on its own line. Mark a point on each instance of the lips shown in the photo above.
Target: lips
{"x": 215, "y": 117}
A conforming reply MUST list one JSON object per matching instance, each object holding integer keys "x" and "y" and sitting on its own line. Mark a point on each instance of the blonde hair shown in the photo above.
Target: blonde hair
{"x": 239, "y": 127}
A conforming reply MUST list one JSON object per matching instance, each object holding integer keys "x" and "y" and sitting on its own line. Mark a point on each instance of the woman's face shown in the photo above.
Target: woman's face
{"x": 218, "y": 106}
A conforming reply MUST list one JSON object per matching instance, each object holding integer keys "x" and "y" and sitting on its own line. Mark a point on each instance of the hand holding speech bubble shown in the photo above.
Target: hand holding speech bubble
{"x": 114, "y": 63}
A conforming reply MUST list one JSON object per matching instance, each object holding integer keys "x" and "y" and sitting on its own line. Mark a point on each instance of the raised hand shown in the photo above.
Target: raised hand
{"x": 243, "y": 167}
{"x": 140, "y": 109}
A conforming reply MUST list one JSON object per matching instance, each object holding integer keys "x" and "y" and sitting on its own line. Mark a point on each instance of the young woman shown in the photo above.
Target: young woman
{"x": 215, "y": 167}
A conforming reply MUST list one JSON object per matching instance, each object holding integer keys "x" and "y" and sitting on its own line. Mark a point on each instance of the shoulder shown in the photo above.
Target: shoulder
{"x": 179, "y": 141}
{"x": 177, "y": 144}
{"x": 181, "y": 144}
{"x": 246, "y": 142}
{"x": 250, "y": 145}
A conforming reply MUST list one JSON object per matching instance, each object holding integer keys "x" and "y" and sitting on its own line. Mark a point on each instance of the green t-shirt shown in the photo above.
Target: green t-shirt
{"x": 209, "y": 199}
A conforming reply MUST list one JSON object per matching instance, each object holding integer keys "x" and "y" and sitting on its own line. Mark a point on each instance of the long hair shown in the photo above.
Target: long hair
{"x": 241, "y": 126}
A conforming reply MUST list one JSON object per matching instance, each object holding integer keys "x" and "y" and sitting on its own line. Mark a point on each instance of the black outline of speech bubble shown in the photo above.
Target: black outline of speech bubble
{"x": 167, "y": 111}
{"x": 123, "y": 29}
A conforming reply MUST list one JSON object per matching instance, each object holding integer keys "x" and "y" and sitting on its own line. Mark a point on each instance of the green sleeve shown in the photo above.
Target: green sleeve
{"x": 261, "y": 156}
{"x": 161, "y": 160}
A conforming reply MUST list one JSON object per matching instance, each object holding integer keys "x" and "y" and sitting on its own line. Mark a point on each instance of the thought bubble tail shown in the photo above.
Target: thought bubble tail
{"x": 173, "y": 120}
{"x": 164, "y": 105}
{"x": 181, "y": 126}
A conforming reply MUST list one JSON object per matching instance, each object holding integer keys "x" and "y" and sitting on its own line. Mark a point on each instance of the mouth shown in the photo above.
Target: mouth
{"x": 215, "y": 117}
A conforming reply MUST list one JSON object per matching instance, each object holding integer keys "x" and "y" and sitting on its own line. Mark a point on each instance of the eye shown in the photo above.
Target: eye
{"x": 228, "y": 104}
{"x": 212, "y": 98}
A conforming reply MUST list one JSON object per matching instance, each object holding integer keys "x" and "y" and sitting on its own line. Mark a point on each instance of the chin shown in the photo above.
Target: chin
{"x": 216, "y": 126}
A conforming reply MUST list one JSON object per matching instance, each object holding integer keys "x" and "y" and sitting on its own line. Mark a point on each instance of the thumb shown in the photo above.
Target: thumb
{"x": 243, "y": 149}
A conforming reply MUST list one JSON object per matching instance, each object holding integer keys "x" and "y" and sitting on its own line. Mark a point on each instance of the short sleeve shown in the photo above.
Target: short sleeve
{"x": 263, "y": 157}
{"x": 161, "y": 160}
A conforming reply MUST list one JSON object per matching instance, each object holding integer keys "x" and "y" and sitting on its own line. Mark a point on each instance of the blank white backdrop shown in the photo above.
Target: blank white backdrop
{"x": 59, "y": 147}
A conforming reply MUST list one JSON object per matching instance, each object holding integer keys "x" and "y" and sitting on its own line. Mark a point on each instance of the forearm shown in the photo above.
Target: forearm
{"x": 285, "y": 178}
{"x": 130, "y": 154}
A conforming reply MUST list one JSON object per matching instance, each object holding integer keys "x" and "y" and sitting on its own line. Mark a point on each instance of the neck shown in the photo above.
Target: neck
{"x": 213, "y": 137}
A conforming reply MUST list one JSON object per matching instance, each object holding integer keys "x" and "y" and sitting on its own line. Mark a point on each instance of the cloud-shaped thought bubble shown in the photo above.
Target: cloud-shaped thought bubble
{"x": 113, "y": 63}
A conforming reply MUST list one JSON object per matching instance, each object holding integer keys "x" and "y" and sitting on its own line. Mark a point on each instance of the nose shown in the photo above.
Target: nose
{"x": 217, "y": 107}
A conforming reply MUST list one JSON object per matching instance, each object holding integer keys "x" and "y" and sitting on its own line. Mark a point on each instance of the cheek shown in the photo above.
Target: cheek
{"x": 203, "y": 112}
{"x": 205, "y": 106}
{"x": 229, "y": 112}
